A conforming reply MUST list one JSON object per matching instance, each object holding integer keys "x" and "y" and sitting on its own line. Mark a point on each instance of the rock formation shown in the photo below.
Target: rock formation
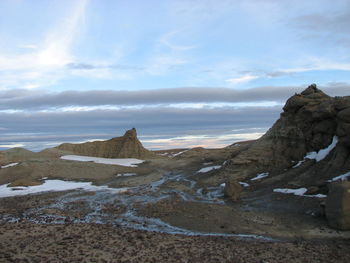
{"x": 307, "y": 147}
{"x": 232, "y": 189}
{"x": 310, "y": 121}
{"x": 126, "y": 146}
{"x": 338, "y": 205}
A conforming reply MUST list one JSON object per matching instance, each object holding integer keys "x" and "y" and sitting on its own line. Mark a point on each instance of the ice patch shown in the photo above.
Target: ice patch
{"x": 260, "y": 176}
{"x": 9, "y": 165}
{"x": 130, "y": 162}
{"x": 209, "y": 168}
{"x": 299, "y": 192}
{"x": 342, "y": 177}
{"x": 54, "y": 185}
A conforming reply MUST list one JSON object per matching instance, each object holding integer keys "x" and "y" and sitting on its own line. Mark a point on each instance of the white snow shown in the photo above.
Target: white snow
{"x": 179, "y": 153}
{"x": 208, "y": 163}
{"x": 299, "y": 163}
{"x": 342, "y": 177}
{"x": 131, "y": 162}
{"x": 321, "y": 154}
{"x": 209, "y": 168}
{"x": 244, "y": 184}
{"x": 9, "y": 165}
{"x": 222, "y": 185}
{"x": 260, "y": 176}
{"x": 299, "y": 192}
{"x": 54, "y": 185}
{"x": 127, "y": 174}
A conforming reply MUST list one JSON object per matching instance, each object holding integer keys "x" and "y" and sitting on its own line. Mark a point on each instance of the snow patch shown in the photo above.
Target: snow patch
{"x": 259, "y": 176}
{"x": 9, "y": 165}
{"x": 179, "y": 153}
{"x": 244, "y": 184}
{"x": 54, "y": 185}
{"x": 130, "y": 162}
{"x": 127, "y": 174}
{"x": 299, "y": 163}
{"x": 342, "y": 177}
{"x": 321, "y": 154}
{"x": 299, "y": 192}
{"x": 209, "y": 168}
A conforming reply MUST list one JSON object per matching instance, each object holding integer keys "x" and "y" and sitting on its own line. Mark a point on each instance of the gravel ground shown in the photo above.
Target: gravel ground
{"x": 27, "y": 242}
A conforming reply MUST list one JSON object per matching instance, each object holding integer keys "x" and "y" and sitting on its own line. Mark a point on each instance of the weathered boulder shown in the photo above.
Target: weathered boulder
{"x": 232, "y": 189}
{"x": 338, "y": 205}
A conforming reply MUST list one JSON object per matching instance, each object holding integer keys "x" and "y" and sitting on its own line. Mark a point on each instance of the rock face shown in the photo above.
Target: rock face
{"x": 127, "y": 146}
{"x": 309, "y": 122}
{"x": 232, "y": 190}
{"x": 338, "y": 206}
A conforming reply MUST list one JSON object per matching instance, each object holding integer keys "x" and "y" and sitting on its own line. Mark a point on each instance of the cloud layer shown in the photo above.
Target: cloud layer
{"x": 34, "y": 100}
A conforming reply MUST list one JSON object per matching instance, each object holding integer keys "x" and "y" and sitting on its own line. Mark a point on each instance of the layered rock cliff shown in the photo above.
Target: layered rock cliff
{"x": 126, "y": 146}
{"x": 310, "y": 121}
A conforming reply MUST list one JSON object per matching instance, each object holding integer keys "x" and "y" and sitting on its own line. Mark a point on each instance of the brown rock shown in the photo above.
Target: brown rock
{"x": 342, "y": 103}
{"x": 126, "y": 146}
{"x": 344, "y": 115}
{"x": 232, "y": 189}
{"x": 338, "y": 205}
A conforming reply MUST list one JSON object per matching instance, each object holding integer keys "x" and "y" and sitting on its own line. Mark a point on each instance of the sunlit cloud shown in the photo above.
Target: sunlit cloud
{"x": 242, "y": 79}
{"x": 41, "y": 64}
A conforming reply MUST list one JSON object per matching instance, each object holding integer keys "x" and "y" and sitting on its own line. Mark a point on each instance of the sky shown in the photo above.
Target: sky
{"x": 184, "y": 73}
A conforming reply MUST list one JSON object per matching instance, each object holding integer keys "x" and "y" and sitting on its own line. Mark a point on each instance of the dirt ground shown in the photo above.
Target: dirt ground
{"x": 24, "y": 242}
{"x": 88, "y": 226}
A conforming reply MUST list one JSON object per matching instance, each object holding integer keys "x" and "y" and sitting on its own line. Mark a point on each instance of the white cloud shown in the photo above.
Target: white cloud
{"x": 42, "y": 64}
{"x": 242, "y": 79}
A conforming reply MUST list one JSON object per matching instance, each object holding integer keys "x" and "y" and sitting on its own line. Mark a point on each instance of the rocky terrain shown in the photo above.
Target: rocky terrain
{"x": 284, "y": 197}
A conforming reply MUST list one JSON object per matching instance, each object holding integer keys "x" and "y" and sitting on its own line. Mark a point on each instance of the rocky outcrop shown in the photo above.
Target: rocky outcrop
{"x": 338, "y": 205}
{"x": 308, "y": 123}
{"x": 126, "y": 146}
{"x": 232, "y": 189}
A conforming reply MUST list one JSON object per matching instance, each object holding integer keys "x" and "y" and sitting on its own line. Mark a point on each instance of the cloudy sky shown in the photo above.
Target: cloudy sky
{"x": 183, "y": 72}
